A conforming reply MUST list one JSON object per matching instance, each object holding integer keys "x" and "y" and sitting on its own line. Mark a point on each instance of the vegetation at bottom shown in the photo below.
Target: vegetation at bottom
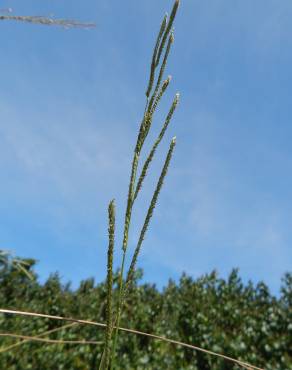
{"x": 244, "y": 321}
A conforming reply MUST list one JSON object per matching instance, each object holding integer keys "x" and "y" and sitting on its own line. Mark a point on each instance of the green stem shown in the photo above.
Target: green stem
{"x": 150, "y": 213}
{"x": 105, "y": 359}
{"x": 130, "y": 202}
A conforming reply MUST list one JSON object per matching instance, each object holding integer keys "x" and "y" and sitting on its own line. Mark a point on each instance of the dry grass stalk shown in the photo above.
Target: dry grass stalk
{"x": 66, "y": 23}
{"x": 15, "y": 345}
{"x": 133, "y": 331}
{"x": 48, "y": 340}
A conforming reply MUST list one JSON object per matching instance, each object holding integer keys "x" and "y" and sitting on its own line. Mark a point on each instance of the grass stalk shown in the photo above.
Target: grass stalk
{"x": 160, "y": 94}
{"x": 162, "y": 69}
{"x": 109, "y": 314}
{"x": 142, "y": 135}
{"x": 167, "y": 31}
{"x": 29, "y": 338}
{"x": 153, "y": 62}
{"x": 67, "y": 23}
{"x": 154, "y": 147}
{"x": 150, "y": 213}
{"x": 128, "y": 216}
{"x": 132, "y": 331}
{"x": 15, "y": 345}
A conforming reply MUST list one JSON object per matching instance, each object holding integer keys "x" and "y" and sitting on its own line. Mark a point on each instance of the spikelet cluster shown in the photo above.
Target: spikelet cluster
{"x": 156, "y": 88}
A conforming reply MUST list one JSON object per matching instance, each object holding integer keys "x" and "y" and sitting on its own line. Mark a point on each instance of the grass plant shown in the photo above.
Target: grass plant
{"x": 155, "y": 90}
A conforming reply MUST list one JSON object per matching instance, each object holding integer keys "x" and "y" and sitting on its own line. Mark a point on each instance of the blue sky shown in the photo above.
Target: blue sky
{"x": 70, "y": 106}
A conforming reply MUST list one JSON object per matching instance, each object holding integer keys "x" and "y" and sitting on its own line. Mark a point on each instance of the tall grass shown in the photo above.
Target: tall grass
{"x": 155, "y": 91}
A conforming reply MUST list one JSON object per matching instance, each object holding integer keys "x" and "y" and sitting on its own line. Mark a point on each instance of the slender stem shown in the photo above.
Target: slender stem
{"x": 67, "y": 23}
{"x": 48, "y": 340}
{"x": 128, "y": 215}
{"x": 104, "y": 363}
{"x": 150, "y": 213}
{"x": 145, "y": 126}
{"x": 8, "y": 348}
{"x": 133, "y": 331}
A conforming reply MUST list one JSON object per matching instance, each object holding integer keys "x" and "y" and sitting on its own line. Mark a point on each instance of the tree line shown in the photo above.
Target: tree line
{"x": 241, "y": 320}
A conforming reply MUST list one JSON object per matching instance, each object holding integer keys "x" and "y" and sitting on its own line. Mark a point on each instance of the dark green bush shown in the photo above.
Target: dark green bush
{"x": 244, "y": 321}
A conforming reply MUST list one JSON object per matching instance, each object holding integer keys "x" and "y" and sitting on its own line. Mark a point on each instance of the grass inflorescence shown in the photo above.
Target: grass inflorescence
{"x": 155, "y": 91}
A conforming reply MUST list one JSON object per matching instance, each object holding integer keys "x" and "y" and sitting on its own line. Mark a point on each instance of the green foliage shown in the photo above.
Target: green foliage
{"x": 241, "y": 320}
